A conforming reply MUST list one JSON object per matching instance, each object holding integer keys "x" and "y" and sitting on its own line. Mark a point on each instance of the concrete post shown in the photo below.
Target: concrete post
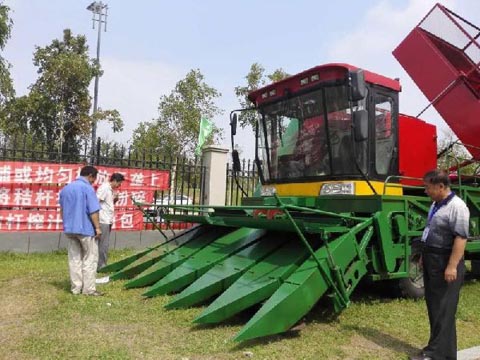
{"x": 215, "y": 162}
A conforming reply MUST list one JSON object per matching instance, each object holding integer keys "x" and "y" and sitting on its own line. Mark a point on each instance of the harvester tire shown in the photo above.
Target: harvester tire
{"x": 475, "y": 268}
{"x": 412, "y": 286}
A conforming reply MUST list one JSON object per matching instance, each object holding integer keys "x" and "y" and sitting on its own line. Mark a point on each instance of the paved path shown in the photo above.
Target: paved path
{"x": 469, "y": 354}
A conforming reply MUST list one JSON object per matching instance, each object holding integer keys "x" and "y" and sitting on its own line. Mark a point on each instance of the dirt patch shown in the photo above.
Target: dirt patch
{"x": 21, "y": 300}
{"x": 364, "y": 346}
{"x": 16, "y": 301}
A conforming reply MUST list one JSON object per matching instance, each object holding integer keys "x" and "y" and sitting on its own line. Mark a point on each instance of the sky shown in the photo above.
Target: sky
{"x": 151, "y": 45}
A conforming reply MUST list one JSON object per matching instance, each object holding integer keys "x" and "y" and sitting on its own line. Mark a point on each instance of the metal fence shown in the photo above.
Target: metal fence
{"x": 247, "y": 178}
{"x": 187, "y": 176}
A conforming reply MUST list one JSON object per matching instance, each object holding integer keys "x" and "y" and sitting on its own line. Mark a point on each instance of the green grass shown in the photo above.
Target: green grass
{"x": 40, "y": 319}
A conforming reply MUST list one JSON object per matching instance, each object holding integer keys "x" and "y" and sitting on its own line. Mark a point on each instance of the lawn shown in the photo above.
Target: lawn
{"x": 40, "y": 319}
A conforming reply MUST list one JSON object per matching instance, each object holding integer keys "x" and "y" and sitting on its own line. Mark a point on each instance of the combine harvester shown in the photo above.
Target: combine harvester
{"x": 341, "y": 197}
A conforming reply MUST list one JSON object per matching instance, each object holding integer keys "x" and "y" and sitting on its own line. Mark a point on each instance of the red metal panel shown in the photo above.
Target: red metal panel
{"x": 425, "y": 64}
{"x": 438, "y": 70}
{"x": 437, "y": 56}
{"x": 417, "y": 147}
{"x": 324, "y": 72}
{"x": 462, "y": 109}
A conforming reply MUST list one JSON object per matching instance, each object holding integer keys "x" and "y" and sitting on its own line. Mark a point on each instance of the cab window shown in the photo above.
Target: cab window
{"x": 384, "y": 140}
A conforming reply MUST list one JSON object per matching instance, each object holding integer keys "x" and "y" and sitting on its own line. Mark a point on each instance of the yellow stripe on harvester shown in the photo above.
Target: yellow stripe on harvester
{"x": 313, "y": 188}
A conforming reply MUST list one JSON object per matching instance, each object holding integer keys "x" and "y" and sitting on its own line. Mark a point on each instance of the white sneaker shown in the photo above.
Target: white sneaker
{"x": 102, "y": 280}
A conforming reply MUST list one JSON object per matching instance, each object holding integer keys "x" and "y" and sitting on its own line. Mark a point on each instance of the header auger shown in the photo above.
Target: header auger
{"x": 341, "y": 200}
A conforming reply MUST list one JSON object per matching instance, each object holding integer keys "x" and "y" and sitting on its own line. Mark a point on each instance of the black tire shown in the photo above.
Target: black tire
{"x": 412, "y": 287}
{"x": 476, "y": 268}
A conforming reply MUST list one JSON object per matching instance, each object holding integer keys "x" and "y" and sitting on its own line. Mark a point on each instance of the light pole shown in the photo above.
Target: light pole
{"x": 99, "y": 12}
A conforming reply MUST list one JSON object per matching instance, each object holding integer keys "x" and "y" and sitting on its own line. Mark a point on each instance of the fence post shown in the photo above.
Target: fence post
{"x": 215, "y": 162}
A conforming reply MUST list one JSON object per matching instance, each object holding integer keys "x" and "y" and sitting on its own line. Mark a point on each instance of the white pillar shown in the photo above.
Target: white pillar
{"x": 215, "y": 162}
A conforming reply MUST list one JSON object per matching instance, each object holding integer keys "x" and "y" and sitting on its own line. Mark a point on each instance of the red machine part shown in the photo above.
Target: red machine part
{"x": 311, "y": 77}
{"x": 417, "y": 148}
{"x": 442, "y": 56}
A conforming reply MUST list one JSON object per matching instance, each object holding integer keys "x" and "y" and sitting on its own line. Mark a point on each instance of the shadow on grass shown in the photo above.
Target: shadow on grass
{"x": 324, "y": 313}
{"x": 239, "y": 319}
{"x": 266, "y": 340}
{"x": 384, "y": 340}
{"x": 63, "y": 285}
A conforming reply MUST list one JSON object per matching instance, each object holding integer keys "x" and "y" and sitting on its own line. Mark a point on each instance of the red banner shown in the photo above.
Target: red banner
{"x": 29, "y": 194}
{"x": 14, "y": 172}
{"x": 50, "y": 220}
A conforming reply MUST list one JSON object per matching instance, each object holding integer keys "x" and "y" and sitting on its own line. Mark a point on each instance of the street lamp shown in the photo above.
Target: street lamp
{"x": 99, "y": 15}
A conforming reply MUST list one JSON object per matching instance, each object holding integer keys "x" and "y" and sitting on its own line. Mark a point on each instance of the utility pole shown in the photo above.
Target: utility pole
{"x": 99, "y": 12}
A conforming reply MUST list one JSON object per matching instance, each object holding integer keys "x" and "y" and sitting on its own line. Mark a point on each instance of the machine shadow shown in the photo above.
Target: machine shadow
{"x": 324, "y": 313}
{"x": 384, "y": 340}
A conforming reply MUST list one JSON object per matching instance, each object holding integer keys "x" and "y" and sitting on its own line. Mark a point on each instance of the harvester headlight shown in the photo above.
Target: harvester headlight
{"x": 343, "y": 188}
{"x": 268, "y": 190}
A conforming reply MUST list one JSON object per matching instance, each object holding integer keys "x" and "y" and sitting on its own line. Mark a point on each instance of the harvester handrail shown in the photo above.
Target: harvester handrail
{"x": 398, "y": 185}
{"x": 150, "y": 219}
{"x": 257, "y": 207}
{"x": 465, "y": 162}
{"x": 294, "y": 207}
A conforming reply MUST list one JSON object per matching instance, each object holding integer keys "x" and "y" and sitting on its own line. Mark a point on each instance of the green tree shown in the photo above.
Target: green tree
{"x": 175, "y": 131}
{"x": 453, "y": 153}
{"x": 57, "y": 108}
{"x": 6, "y": 87}
{"x": 255, "y": 78}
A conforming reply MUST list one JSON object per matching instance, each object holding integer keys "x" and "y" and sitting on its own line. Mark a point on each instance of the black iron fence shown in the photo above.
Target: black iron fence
{"x": 246, "y": 179}
{"x": 187, "y": 176}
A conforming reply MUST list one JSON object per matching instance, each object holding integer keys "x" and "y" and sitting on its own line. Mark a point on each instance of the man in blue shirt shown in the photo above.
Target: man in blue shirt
{"x": 79, "y": 208}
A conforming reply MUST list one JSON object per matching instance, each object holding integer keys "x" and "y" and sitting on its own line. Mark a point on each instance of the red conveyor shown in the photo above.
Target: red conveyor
{"x": 442, "y": 56}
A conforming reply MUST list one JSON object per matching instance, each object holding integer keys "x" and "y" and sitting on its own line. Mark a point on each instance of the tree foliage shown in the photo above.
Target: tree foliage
{"x": 6, "y": 87}
{"x": 175, "y": 131}
{"x": 255, "y": 78}
{"x": 56, "y": 110}
{"x": 453, "y": 153}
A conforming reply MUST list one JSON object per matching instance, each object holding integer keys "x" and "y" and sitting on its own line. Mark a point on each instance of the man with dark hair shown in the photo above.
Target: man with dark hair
{"x": 107, "y": 195}
{"x": 444, "y": 238}
{"x": 79, "y": 209}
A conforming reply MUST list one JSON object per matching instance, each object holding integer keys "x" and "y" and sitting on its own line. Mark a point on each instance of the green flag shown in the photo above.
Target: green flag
{"x": 206, "y": 128}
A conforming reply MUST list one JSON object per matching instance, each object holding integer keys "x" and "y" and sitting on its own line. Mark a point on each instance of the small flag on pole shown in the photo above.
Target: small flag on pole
{"x": 206, "y": 128}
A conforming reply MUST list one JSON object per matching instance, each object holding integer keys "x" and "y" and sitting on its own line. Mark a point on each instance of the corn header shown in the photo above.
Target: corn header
{"x": 341, "y": 197}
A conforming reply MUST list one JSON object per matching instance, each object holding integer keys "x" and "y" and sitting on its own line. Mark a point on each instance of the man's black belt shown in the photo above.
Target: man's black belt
{"x": 436, "y": 250}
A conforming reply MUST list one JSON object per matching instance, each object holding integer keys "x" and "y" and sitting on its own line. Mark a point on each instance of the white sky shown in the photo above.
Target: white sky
{"x": 150, "y": 45}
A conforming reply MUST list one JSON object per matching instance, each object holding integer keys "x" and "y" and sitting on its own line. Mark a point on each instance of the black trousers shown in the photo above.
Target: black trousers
{"x": 442, "y": 300}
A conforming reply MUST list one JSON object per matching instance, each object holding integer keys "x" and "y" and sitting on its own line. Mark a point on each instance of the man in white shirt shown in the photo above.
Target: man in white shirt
{"x": 107, "y": 195}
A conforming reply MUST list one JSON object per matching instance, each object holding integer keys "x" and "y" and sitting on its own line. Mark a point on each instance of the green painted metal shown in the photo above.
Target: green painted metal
{"x": 199, "y": 263}
{"x": 119, "y": 265}
{"x": 385, "y": 240}
{"x": 300, "y": 292}
{"x": 174, "y": 241}
{"x": 257, "y": 284}
{"x": 238, "y": 220}
{"x": 340, "y": 290}
{"x": 224, "y": 274}
{"x": 152, "y": 271}
{"x": 203, "y": 234}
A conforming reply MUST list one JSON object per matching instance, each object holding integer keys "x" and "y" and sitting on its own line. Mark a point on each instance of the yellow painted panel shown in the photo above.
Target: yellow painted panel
{"x": 313, "y": 188}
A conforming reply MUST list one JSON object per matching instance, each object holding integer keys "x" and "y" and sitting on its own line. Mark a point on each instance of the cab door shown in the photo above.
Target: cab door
{"x": 384, "y": 110}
